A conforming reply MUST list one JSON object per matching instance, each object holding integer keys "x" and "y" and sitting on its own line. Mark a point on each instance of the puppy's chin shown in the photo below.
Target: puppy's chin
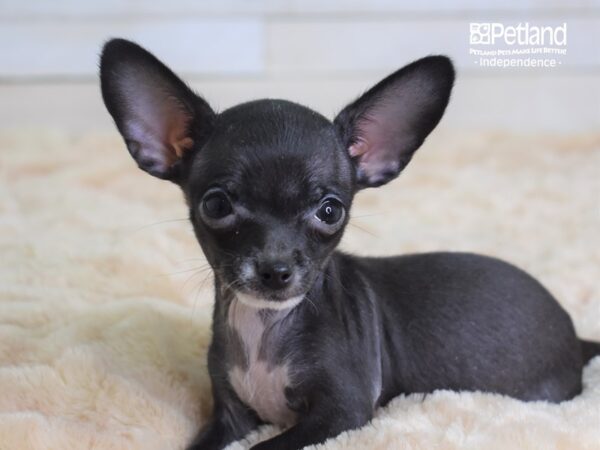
{"x": 263, "y": 303}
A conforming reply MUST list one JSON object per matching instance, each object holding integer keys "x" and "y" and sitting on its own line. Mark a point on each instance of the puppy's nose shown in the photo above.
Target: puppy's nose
{"x": 277, "y": 275}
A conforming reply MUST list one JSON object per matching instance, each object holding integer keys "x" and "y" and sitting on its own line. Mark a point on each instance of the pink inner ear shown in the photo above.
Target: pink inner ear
{"x": 393, "y": 123}
{"x": 358, "y": 148}
{"x": 157, "y": 121}
{"x": 379, "y": 143}
{"x": 385, "y": 135}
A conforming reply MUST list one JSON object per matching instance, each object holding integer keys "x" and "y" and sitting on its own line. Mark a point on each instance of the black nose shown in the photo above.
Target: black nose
{"x": 275, "y": 275}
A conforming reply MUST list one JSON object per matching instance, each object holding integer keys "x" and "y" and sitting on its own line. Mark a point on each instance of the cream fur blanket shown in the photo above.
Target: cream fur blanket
{"x": 105, "y": 300}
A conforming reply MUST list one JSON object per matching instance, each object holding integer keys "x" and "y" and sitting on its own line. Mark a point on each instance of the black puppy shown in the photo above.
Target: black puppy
{"x": 304, "y": 336}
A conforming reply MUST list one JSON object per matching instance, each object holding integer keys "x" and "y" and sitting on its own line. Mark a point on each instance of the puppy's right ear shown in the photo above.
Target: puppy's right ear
{"x": 384, "y": 127}
{"x": 160, "y": 118}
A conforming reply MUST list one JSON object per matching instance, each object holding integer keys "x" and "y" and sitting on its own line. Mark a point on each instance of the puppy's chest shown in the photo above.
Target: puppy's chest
{"x": 256, "y": 372}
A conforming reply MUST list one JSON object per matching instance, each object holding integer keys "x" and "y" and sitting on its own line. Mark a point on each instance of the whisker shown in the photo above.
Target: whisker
{"x": 200, "y": 272}
{"x": 363, "y": 229}
{"x": 190, "y": 278}
{"x": 201, "y": 286}
{"x": 198, "y": 290}
{"x": 234, "y": 282}
{"x": 226, "y": 253}
{"x": 178, "y": 272}
{"x": 135, "y": 230}
{"x": 366, "y": 215}
{"x": 338, "y": 281}
{"x": 192, "y": 259}
{"x": 312, "y": 303}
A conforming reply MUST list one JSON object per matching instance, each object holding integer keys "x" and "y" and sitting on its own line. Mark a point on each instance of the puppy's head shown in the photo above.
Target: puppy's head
{"x": 269, "y": 183}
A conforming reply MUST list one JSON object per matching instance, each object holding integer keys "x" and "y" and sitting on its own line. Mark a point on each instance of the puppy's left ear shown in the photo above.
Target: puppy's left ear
{"x": 158, "y": 115}
{"x": 386, "y": 125}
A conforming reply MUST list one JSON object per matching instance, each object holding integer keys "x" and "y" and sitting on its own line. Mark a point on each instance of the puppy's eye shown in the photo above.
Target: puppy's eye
{"x": 331, "y": 211}
{"x": 216, "y": 205}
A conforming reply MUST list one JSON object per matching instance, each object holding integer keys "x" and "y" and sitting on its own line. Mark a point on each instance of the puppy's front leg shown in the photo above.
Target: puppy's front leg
{"x": 228, "y": 424}
{"x": 325, "y": 420}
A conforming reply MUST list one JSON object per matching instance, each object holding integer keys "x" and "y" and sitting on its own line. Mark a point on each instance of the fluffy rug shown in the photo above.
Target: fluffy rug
{"x": 105, "y": 300}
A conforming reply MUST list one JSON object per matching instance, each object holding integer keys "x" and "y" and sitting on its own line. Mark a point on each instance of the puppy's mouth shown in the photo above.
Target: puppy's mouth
{"x": 259, "y": 297}
{"x": 251, "y": 290}
{"x": 264, "y": 302}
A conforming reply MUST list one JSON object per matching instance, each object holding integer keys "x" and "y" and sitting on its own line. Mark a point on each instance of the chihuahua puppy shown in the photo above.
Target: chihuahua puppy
{"x": 304, "y": 336}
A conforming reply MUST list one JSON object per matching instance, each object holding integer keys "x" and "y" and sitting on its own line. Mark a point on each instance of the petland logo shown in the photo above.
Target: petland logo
{"x": 522, "y": 34}
{"x": 520, "y": 45}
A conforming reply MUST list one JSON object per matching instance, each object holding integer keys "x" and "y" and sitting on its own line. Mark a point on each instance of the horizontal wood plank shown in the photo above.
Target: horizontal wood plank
{"x": 71, "y": 48}
{"x": 118, "y": 8}
{"x": 253, "y": 47}
{"x": 524, "y": 104}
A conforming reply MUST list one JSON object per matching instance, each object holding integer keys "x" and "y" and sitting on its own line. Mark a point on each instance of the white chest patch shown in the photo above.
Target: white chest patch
{"x": 260, "y": 385}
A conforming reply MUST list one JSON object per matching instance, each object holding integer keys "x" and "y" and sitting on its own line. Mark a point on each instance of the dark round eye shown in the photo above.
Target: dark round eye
{"x": 331, "y": 211}
{"x": 216, "y": 205}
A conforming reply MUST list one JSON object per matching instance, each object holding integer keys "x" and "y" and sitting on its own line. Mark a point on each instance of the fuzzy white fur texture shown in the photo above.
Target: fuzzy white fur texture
{"x": 106, "y": 299}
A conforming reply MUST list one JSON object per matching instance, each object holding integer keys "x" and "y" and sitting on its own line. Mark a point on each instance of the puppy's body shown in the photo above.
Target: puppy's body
{"x": 443, "y": 321}
{"x": 304, "y": 336}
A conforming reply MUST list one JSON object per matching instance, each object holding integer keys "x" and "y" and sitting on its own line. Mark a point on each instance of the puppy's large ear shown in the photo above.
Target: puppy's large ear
{"x": 387, "y": 124}
{"x": 159, "y": 117}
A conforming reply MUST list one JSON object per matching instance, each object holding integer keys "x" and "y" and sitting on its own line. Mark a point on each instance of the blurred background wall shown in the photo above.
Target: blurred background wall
{"x": 319, "y": 52}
